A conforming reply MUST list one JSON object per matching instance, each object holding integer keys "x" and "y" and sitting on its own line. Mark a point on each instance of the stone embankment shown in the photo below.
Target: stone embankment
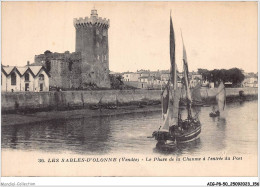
{"x": 67, "y": 100}
{"x": 35, "y": 108}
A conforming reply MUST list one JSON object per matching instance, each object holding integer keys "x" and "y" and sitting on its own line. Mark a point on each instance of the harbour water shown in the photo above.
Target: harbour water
{"x": 235, "y": 134}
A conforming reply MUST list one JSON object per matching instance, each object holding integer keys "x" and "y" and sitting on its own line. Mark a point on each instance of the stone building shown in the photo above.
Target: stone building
{"x": 251, "y": 80}
{"x": 64, "y": 68}
{"x": 131, "y": 77}
{"x": 89, "y": 65}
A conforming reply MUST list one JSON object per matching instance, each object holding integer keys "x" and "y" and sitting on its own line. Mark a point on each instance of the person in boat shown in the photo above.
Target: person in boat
{"x": 173, "y": 129}
{"x": 195, "y": 120}
{"x": 214, "y": 112}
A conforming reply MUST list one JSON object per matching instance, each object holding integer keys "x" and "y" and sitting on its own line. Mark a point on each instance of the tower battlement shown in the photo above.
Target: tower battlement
{"x": 93, "y": 20}
{"x": 90, "y": 22}
{"x": 92, "y": 43}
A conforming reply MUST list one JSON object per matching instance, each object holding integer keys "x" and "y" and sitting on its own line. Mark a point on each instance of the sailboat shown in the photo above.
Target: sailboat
{"x": 196, "y": 97}
{"x": 221, "y": 100}
{"x": 174, "y": 129}
{"x": 207, "y": 100}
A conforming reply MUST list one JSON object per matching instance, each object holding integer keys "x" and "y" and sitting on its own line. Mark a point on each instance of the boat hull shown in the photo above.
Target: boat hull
{"x": 162, "y": 137}
{"x": 179, "y": 136}
{"x": 188, "y": 136}
{"x": 214, "y": 114}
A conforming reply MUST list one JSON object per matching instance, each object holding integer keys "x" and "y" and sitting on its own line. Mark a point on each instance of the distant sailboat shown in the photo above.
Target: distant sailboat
{"x": 221, "y": 100}
{"x": 207, "y": 99}
{"x": 196, "y": 96}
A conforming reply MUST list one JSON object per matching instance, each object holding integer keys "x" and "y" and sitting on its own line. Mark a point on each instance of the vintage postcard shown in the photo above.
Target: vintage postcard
{"x": 139, "y": 89}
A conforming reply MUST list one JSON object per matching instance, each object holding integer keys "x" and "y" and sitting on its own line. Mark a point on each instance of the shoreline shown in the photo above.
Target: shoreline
{"x": 45, "y": 116}
{"x": 40, "y": 117}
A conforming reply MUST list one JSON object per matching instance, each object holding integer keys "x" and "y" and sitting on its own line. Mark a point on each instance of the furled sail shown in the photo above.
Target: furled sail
{"x": 221, "y": 97}
{"x": 165, "y": 96}
{"x": 186, "y": 80}
{"x": 186, "y": 75}
{"x": 175, "y": 107}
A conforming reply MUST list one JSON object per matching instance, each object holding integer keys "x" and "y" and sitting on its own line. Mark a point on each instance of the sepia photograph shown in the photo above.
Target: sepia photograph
{"x": 129, "y": 89}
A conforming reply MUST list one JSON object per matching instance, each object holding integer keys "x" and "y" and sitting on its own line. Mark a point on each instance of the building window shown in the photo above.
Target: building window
{"x": 105, "y": 57}
{"x": 26, "y": 77}
{"x": 97, "y": 32}
{"x": 98, "y": 57}
{"x": 41, "y": 77}
{"x": 13, "y": 78}
{"x": 97, "y": 44}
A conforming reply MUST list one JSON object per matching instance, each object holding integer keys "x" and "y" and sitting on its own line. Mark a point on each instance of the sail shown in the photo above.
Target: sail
{"x": 165, "y": 108}
{"x": 221, "y": 97}
{"x": 174, "y": 109}
{"x": 196, "y": 95}
{"x": 173, "y": 71}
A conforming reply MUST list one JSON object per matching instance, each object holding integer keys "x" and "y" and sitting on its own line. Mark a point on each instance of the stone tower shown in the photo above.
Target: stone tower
{"x": 92, "y": 42}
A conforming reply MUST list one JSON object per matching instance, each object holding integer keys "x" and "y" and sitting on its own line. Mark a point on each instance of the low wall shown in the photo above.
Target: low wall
{"x": 66, "y": 99}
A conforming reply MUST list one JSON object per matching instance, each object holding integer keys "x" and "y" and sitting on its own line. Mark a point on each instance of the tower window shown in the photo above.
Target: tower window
{"x": 97, "y": 31}
{"x": 70, "y": 65}
{"x": 97, "y": 44}
{"x": 13, "y": 78}
{"x": 104, "y": 32}
{"x": 105, "y": 56}
{"x": 98, "y": 57}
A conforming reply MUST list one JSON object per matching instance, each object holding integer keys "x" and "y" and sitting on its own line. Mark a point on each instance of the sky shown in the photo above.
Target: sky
{"x": 216, "y": 34}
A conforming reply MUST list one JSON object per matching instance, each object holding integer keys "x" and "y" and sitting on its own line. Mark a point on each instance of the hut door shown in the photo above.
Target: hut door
{"x": 26, "y": 86}
{"x": 41, "y": 87}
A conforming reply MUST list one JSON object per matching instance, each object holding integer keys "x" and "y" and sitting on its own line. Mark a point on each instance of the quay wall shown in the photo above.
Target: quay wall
{"x": 67, "y": 99}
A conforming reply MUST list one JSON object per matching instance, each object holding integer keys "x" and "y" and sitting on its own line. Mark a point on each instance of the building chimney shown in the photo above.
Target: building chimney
{"x": 28, "y": 63}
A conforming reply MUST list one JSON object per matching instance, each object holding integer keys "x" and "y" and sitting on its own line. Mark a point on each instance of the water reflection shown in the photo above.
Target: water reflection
{"x": 178, "y": 149}
{"x": 128, "y": 134}
{"x": 75, "y": 135}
